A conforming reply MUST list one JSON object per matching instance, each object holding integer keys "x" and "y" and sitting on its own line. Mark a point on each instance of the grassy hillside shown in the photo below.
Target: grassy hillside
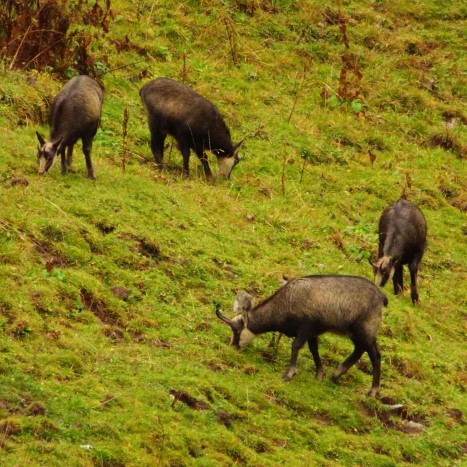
{"x": 111, "y": 353}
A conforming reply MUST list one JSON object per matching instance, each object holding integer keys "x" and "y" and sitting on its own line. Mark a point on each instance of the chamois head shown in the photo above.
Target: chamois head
{"x": 239, "y": 324}
{"x": 46, "y": 152}
{"x": 383, "y": 270}
{"x": 227, "y": 163}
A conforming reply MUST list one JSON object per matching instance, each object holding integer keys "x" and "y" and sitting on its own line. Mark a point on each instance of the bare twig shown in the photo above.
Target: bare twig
{"x": 232, "y": 36}
{"x": 302, "y": 82}
{"x": 25, "y": 35}
{"x": 126, "y": 115}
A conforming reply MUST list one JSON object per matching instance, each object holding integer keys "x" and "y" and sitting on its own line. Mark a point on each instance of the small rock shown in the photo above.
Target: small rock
{"x": 412, "y": 427}
{"x": 394, "y": 408}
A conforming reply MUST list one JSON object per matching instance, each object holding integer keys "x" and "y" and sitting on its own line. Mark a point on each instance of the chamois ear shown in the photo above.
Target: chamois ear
{"x": 238, "y": 146}
{"x": 40, "y": 138}
{"x": 58, "y": 145}
{"x": 243, "y": 302}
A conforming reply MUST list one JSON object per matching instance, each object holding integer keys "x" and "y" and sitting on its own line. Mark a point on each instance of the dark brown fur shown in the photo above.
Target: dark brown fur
{"x": 176, "y": 109}
{"x": 74, "y": 114}
{"x": 402, "y": 233}
{"x": 307, "y": 307}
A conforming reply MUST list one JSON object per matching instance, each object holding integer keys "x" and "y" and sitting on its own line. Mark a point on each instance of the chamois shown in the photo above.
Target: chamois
{"x": 307, "y": 307}
{"x": 402, "y": 240}
{"x": 74, "y": 114}
{"x": 176, "y": 109}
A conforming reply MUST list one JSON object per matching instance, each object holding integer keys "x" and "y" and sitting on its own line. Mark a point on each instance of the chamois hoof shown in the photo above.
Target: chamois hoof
{"x": 415, "y": 300}
{"x": 288, "y": 375}
{"x": 372, "y": 392}
{"x": 334, "y": 378}
{"x": 319, "y": 375}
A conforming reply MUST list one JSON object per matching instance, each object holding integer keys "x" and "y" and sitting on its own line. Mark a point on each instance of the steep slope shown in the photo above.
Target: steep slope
{"x": 111, "y": 351}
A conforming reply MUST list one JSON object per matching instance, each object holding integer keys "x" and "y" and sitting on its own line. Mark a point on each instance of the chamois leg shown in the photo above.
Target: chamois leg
{"x": 63, "y": 160}
{"x": 297, "y": 344}
{"x": 204, "y": 161}
{"x": 349, "y": 361}
{"x": 413, "y": 268}
{"x": 69, "y": 155}
{"x": 398, "y": 279}
{"x": 185, "y": 150}
{"x": 87, "y": 148}
{"x": 313, "y": 346}
{"x": 375, "y": 358}
{"x": 157, "y": 148}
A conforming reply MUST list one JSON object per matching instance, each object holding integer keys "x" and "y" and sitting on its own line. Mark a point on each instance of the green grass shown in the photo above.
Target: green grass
{"x": 80, "y": 366}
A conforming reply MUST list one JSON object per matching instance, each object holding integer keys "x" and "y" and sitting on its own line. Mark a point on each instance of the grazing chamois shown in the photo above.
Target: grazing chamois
{"x": 402, "y": 240}
{"x": 176, "y": 109}
{"x": 74, "y": 114}
{"x": 307, "y": 307}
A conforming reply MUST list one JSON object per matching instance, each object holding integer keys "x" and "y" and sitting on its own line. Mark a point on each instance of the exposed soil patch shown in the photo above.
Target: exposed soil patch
{"x": 454, "y": 117}
{"x": 389, "y": 414}
{"x": 18, "y": 181}
{"x": 224, "y": 418}
{"x": 142, "y": 247}
{"x": 456, "y": 415}
{"x": 405, "y": 368}
{"x": 121, "y": 292}
{"x": 105, "y": 228}
{"x": 338, "y": 242}
{"x": 114, "y": 333}
{"x": 202, "y": 327}
{"x": 137, "y": 336}
{"x": 249, "y": 370}
{"x": 56, "y": 262}
{"x": 280, "y": 443}
{"x": 382, "y": 415}
{"x": 161, "y": 344}
{"x": 214, "y": 367}
{"x": 52, "y": 260}
{"x": 188, "y": 400}
{"x": 9, "y": 427}
{"x": 322, "y": 418}
{"x": 460, "y": 202}
{"x": 5, "y": 405}
{"x": 448, "y": 142}
{"x": 36, "y": 409}
{"x": 98, "y": 308}
{"x": 150, "y": 250}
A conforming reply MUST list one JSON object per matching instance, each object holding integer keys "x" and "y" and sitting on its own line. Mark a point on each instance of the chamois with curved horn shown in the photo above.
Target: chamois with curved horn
{"x": 307, "y": 307}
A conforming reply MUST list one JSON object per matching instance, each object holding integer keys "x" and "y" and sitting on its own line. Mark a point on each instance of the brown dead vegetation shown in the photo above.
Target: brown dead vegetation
{"x": 42, "y": 33}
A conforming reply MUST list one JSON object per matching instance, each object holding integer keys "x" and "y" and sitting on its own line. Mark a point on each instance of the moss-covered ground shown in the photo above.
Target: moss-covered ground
{"x": 110, "y": 351}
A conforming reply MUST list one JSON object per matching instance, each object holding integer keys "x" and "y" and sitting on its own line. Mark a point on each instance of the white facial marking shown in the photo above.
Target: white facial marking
{"x": 226, "y": 164}
{"x": 378, "y": 279}
{"x": 42, "y": 164}
{"x": 235, "y": 306}
{"x": 246, "y": 336}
